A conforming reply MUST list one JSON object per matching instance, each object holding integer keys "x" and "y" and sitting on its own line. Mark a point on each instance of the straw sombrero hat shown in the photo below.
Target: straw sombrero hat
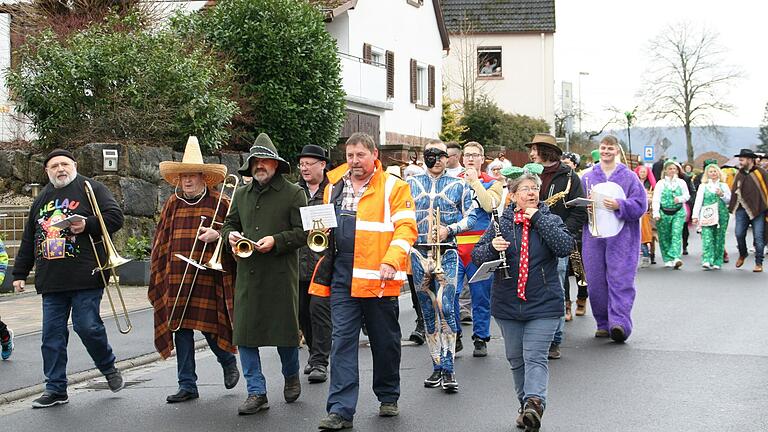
{"x": 192, "y": 162}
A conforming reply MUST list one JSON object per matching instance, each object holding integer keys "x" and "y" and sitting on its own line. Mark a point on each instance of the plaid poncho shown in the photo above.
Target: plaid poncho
{"x": 211, "y": 303}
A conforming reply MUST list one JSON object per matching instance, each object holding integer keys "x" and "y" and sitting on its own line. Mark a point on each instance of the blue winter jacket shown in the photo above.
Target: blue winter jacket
{"x": 548, "y": 239}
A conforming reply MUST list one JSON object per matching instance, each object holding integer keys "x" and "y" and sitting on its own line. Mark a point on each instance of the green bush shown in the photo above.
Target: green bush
{"x": 116, "y": 82}
{"x": 287, "y": 67}
{"x": 138, "y": 248}
{"x": 487, "y": 124}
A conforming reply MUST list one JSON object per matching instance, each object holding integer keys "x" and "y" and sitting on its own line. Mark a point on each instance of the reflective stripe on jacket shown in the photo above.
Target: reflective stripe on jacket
{"x": 385, "y": 232}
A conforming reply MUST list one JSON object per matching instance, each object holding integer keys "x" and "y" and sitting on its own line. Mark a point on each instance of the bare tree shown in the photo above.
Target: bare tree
{"x": 687, "y": 78}
{"x": 464, "y": 45}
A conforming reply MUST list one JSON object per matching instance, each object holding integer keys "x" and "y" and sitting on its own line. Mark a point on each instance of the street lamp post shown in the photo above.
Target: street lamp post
{"x": 630, "y": 115}
{"x": 580, "y": 74}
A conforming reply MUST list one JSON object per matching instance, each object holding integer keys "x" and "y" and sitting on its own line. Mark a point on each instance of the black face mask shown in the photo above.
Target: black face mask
{"x": 432, "y": 155}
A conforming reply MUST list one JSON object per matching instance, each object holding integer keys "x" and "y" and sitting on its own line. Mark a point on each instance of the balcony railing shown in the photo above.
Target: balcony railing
{"x": 361, "y": 79}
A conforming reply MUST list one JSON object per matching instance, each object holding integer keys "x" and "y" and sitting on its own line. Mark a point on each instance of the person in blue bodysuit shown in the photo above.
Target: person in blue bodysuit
{"x": 437, "y": 291}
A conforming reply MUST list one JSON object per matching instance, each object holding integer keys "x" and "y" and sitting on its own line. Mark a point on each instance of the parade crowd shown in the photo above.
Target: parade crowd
{"x": 236, "y": 264}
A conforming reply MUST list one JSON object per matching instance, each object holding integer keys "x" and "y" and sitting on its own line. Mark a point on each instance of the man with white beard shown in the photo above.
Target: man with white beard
{"x": 64, "y": 260}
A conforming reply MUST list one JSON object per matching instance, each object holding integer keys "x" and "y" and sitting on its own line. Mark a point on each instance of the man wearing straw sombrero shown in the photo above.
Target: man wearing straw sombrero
{"x": 267, "y": 289}
{"x": 186, "y": 229}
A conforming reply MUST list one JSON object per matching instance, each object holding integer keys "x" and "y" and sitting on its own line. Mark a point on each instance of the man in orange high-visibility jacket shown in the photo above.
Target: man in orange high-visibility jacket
{"x": 363, "y": 270}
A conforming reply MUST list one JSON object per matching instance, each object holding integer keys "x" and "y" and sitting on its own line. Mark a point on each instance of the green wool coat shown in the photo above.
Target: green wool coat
{"x": 267, "y": 285}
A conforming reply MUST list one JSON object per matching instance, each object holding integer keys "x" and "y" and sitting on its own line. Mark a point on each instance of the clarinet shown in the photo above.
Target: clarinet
{"x": 502, "y": 254}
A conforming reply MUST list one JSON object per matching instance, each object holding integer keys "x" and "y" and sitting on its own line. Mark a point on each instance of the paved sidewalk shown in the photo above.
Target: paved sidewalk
{"x": 24, "y": 313}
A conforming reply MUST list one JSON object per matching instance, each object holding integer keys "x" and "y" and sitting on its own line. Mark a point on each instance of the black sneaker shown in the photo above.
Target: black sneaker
{"x": 618, "y": 334}
{"x": 253, "y": 404}
{"x": 115, "y": 380}
{"x": 182, "y": 396}
{"x": 554, "y": 352}
{"x": 481, "y": 348}
{"x": 50, "y": 399}
{"x": 449, "y": 382}
{"x": 388, "y": 409}
{"x": 434, "y": 380}
{"x": 319, "y": 374}
{"x": 459, "y": 345}
{"x": 417, "y": 335}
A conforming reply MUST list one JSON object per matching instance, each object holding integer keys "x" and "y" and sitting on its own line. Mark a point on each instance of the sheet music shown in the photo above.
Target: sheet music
{"x": 325, "y": 213}
{"x": 486, "y": 271}
{"x": 65, "y": 223}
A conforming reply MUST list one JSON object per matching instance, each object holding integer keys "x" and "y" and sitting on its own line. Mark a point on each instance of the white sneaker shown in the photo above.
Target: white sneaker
{"x": 645, "y": 262}
{"x": 706, "y": 266}
{"x": 669, "y": 264}
{"x": 715, "y": 267}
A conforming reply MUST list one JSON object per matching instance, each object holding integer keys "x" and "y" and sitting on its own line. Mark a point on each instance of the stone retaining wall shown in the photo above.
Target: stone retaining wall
{"x": 136, "y": 185}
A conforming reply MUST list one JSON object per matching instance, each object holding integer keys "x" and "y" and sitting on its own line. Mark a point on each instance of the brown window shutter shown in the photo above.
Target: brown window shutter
{"x": 431, "y": 95}
{"x": 367, "y": 53}
{"x": 414, "y": 84}
{"x": 390, "y": 63}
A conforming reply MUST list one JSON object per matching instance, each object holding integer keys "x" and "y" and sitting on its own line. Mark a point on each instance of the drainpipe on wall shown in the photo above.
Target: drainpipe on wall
{"x": 543, "y": 78}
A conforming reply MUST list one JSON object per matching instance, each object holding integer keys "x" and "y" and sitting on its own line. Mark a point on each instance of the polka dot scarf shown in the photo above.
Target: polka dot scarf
{"x": 522, "y": 278}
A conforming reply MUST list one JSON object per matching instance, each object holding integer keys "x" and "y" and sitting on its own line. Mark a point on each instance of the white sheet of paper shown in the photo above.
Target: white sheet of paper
{"x": 191, "y": 262}
{"x": 65, "y": 223}
{"x": 485, "y": 271}
{"x": 325, "y": 213}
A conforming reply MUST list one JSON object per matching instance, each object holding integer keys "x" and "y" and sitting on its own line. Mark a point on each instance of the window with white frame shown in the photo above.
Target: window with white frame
{"x": 489, "y": 61}
{"x": 422, "y": 84}
{"x": 377, "y": 55}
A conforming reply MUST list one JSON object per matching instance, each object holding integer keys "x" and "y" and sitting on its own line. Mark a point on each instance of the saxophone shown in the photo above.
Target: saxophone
{"x": 575, "y": 257}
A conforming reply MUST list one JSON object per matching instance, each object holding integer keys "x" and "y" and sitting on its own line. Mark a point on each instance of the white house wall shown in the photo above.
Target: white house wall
{"x": 527, "y": 83}
{"x": 409, "y": 32}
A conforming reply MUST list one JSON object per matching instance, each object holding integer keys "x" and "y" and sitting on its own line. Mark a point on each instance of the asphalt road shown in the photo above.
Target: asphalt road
{"x": 697, "y": 361}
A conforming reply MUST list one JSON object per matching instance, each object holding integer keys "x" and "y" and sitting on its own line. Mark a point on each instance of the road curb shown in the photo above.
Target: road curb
{"x": 80, "y": 377}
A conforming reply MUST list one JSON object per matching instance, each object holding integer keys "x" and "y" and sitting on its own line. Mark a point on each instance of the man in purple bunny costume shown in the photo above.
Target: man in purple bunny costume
{"x": 610, "y": 263}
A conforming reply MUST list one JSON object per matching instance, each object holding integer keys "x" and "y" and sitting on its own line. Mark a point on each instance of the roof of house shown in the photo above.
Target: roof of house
{"x": 333, "y": 8}
{"x": 499, "y": 16}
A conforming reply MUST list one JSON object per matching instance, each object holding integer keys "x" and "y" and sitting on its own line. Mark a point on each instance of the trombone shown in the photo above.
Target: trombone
{"x": 191, "y": 261}
{"x": 215, "y": 262}
{"x": 114, "y": 260}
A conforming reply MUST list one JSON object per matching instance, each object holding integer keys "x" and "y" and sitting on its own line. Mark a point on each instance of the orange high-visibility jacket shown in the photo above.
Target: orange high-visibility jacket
{"x": 385, "y": 231}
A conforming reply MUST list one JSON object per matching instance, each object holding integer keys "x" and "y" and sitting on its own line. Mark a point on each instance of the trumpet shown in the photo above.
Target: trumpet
{"x": 114, "y": 260}
{"x": 317, "y": 239}
{"x": 196, "y": 263}
{"x": 215, "y": 262}
{"x": 244, "y": 247}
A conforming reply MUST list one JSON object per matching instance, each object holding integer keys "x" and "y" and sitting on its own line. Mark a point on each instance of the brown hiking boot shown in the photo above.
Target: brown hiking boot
{"x": 758, "y": 268}
{"x": 568, "y": 315}
{"x": 740, "y": 261}
{"x": 581, "y": 307}
{"x": 532, "y": 414}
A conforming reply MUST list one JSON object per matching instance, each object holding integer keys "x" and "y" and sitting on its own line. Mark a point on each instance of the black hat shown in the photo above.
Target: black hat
{"x": 746, "y": 153}
{"x": 264, "y": 149}
{"x": 313, "y": 151}
{"x": 58, "y": 152}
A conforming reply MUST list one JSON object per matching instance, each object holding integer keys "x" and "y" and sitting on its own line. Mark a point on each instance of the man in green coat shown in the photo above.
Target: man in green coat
{"x": 266, "y": 290}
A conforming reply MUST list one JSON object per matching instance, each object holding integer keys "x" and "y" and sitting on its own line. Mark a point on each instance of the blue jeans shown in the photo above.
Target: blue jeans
{"x": 347, "y": 314}
{"x": 480, "y": 293}
{"x": 758, "y": 231}
{"x": 562, "y": 273}
{"x": 251, "y": 362}
{"x": 184, "y": 339}
{"x": 84, "y": 306}
{"x": 527, "y": 344}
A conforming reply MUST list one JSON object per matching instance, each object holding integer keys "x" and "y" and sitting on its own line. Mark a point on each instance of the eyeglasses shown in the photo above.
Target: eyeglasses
{"x": 527, "y": 189}
{"x": 473, "y": 155}
{"x": 307, "y": 164}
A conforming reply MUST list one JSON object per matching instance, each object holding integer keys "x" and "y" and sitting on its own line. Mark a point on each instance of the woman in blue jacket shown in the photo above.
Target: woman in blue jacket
{"x": 528, "y": 305}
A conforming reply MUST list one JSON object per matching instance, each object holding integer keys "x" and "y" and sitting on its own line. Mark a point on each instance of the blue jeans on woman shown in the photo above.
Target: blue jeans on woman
{"x": 251, "y": 362}
{"x": 184, "y": 340}
{"x": 84, "y": 307}
{"x": 758, "y": 232}
{"x": 527, "y": 344}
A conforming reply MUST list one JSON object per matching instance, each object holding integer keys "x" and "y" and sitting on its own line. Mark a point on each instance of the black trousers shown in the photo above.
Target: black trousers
{"x": 686, "y": 233}
{"x": 414, "y": 298}
{"x": 583, "y": 292}
{"x": 3, "y": 330}
{"x": 315, "y": 323}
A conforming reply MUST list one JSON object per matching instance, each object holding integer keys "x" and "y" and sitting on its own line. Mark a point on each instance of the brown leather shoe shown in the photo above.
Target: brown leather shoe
{"x": 758, "y": 268}
{"x": 740, "y": 261}
{"x": 581, "y": 307}
{"x": 519, "y": 420}
{"x": 602, "y": 333}
{"x": 532, "y": 414}
{"x": 568, "y": 315}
